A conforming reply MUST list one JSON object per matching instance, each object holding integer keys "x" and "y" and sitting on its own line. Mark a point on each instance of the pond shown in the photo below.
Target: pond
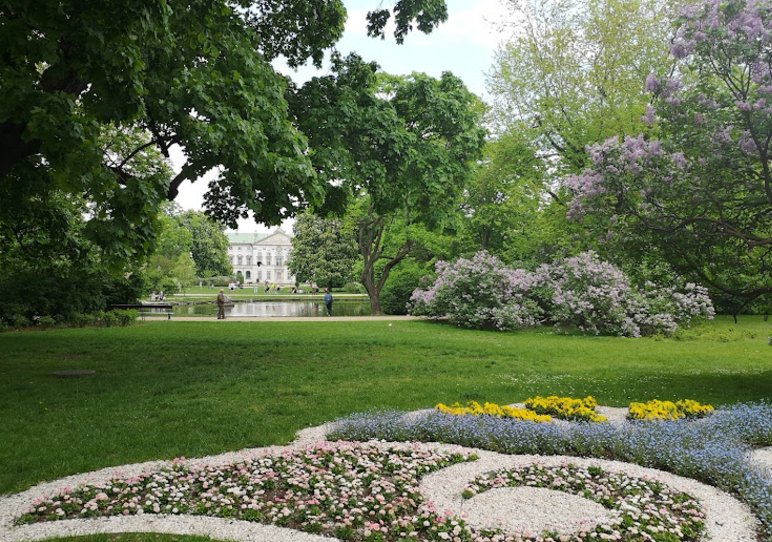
{"x": 309, "y": 308}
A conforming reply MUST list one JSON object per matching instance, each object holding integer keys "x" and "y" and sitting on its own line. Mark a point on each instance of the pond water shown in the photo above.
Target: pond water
{"x": 308, "y": 308}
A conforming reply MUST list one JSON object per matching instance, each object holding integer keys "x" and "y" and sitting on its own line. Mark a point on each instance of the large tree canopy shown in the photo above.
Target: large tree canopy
{"x": 572, "y": 69}
{"x": 195, "y": 74}
{"x": 324, "y": 251}
{"x": 400, "y": 146}
{"x": 699, "y": 188}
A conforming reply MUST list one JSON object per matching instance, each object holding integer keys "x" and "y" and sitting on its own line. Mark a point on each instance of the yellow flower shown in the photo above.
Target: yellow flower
{"x": 566, "y": 408}
{"x": 473, "y": 408}
{"x": 667, "y": 410}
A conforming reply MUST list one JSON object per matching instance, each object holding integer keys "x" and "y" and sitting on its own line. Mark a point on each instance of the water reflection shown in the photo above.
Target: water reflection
{"x": 268, "y": 309}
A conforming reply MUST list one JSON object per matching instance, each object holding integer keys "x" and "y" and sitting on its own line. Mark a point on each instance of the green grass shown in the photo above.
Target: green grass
{"x": 166, "y": 389}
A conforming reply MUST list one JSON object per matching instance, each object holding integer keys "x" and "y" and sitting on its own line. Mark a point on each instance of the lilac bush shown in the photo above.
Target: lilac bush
{"x": 583, "y": 291}
{"x": 588, "y": 293}
{"x": 479, "y": 293}
{"x": 714, "y": 450}
{"x": 697, "y": 187}
{"x": 597, "y": 297}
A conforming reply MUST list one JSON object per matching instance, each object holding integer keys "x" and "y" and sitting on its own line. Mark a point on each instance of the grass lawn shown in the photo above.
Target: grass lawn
{"x": 166, "y": 389}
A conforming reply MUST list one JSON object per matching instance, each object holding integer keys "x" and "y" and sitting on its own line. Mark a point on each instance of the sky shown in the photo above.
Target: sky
{"x": 465, "y": 45}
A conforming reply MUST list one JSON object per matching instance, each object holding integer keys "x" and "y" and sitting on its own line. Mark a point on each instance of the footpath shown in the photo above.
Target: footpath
{"x": 264, "y": 319}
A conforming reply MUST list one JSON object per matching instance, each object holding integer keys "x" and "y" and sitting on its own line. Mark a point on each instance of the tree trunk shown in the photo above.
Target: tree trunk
{"x": 370, "y": 239}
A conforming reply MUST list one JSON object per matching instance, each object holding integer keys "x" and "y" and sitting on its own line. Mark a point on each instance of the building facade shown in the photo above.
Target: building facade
{"x": 261, "y": 257}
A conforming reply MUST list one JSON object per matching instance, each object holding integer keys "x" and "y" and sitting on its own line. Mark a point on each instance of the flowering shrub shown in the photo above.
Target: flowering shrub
{"x": 582, "y": 291}
{"x": 474, "y": 408}
{"x": 479, "y": 293}
{"x": 714, "y": 451}
{"x": 566, "y": 408}
{"x": 646, "y": 510}
{"x": 668, "y": 410}
{"x": 588, "y": 293}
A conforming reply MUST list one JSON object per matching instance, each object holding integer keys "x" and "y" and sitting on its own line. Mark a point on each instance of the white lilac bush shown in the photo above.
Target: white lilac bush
{"x": 479, "y": 293}
{"x": 582, "y": 291}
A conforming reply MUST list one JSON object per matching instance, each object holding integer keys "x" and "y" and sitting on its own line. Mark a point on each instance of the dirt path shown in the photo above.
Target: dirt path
{"x": 264, "y": 319}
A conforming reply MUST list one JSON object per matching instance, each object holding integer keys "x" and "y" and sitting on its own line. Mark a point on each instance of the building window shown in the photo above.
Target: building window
{"x": 259, "y": 275}
{"x": 240, "y": 259}
{"x": 249, "y": 260}
{"x": 267, "y": 258}
{"x": 260, "y": 257}
{"x": 248, "y": 275}
{"x": 278, "y": 258}
{"x": 278, "y": 275}
{"x": 267, "y": 275}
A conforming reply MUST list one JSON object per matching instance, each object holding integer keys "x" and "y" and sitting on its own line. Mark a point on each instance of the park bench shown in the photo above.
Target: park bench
{"x": 147, "y": 308}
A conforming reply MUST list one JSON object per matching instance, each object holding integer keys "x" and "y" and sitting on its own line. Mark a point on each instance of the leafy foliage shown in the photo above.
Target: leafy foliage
{"x": 700, "y": 192}
{"x": 401, "y": 145}
{"x": 323, "y": 251}
{"x": 196, "y": 75}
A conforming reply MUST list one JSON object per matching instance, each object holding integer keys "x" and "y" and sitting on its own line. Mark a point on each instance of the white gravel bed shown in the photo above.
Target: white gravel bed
{"x": 763, "y": 457}
{"x": 728, "y": 520}
{"x": 503, "y": 507}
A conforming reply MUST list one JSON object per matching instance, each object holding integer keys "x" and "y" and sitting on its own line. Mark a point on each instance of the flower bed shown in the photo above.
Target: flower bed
{"x": 715, "y": 451}
{"x": 473, "y": 408}
{"x": 566, "y": 408}
{"x": 643, "y": 507}
{"x": 352, "y": 492}
{"x": 668, "y": 410}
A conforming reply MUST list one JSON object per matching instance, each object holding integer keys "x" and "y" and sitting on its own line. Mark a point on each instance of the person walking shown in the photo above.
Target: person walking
{"x": 328, "y": 301}
{"x": 221, "y": 305}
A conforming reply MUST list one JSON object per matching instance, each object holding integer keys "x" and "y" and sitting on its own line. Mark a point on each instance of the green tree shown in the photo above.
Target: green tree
{"x": 399, "y": 146}
{"x": 323, "y": 251}
{"x": 195, "y": 74}
{"x": 170, "y": 267}
{"x": 572, "y": 72}
{"x": 697, "y": 188}
{"x": 209, "y": 245}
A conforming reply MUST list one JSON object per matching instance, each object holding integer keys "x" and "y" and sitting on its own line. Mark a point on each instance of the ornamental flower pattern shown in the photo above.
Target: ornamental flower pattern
{"x": 714, "y": 450}
{"x": 644, "y": 509}
{"x": 350, "y": 491}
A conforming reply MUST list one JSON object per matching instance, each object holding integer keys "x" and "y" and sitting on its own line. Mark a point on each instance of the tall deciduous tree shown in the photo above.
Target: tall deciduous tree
{"x": 324, "y": 251}
{"x": 572, "y": 71}
{"x": 208, "y": 245}
{"x": 700, "y": 192}
{"x": 401, "y": 146}
{"x": 195, "y": 73}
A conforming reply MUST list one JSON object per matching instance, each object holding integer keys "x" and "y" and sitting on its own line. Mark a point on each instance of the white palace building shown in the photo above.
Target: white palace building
{"x": 261, "y": 257}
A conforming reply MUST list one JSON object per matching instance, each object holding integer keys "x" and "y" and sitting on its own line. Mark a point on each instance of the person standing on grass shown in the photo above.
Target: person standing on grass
{"x": 221, "y": 305}
{"x": 328, "y": 301}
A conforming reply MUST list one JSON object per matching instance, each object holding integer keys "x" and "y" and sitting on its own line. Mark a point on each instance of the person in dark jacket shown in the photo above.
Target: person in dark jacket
{"x": 328, "y": 301}
{"x": 221, "y": 305}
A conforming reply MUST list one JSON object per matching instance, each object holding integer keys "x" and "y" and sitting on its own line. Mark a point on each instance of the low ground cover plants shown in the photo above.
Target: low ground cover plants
{"x": 366, "y": 493}
{"x": 566, "y": 408}
{"x": 583, "y": 292}
{"x": 668, "y": 410}
{"x": 473, "y": 408}
{"x": 713, "y": 450}
{"x": 646, "y": 510}
{"x": 352, "y": 492}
